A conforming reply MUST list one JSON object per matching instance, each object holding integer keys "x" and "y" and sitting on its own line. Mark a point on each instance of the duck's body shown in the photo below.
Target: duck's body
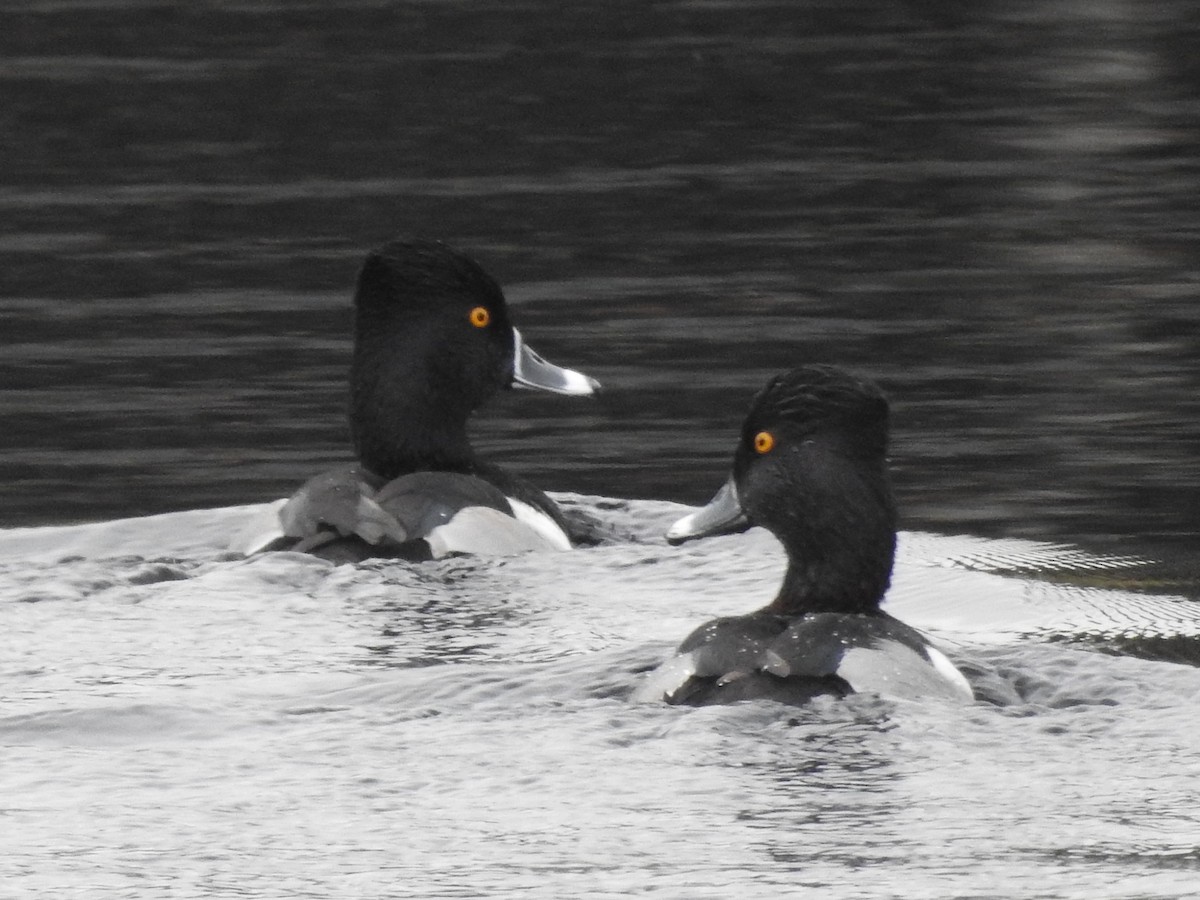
{"x": 811, "y": 468}
{"x": 349, "y": 514}
{"x": 432, "y": 343}
{"x": 792, "y": 659}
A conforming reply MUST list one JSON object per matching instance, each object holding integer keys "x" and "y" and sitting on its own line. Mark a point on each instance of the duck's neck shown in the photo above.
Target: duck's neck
{"x": 394, "y": 447}
{"x": 397, "y": 430}
{"x": 845, "y": 576}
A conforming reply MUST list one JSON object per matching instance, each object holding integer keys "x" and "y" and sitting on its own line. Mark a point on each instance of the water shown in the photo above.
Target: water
{"x": 989, "y": 208}
{"x": 190, "y": 725}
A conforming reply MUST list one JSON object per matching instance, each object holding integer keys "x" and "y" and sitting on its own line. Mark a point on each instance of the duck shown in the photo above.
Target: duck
{"x": 433, "y": 341}
{"x": 810, "y": 466}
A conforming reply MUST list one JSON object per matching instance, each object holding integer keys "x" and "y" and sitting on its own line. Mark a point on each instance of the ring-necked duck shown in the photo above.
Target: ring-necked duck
{"x": 432, "y": 342}
{"x": 811, "y": 468}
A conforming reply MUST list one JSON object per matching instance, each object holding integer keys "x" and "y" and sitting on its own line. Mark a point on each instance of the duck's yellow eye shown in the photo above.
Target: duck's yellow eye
{"x": 480, "y": 317}
{"x": 763, "y": 442}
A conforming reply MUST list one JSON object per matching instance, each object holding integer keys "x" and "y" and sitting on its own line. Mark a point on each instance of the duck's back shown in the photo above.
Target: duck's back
{"x": 869, "y": 652}
{"x": 341, "y": 516}
{"x": 794, "y": 659}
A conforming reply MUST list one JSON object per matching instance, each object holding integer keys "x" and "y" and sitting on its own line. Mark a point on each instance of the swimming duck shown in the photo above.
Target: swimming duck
{"x": 432, "y": 343}
{"x": 811, "y": 468}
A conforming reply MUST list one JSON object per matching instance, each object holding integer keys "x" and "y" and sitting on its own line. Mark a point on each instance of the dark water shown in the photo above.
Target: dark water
{"x": 989, "y": 207}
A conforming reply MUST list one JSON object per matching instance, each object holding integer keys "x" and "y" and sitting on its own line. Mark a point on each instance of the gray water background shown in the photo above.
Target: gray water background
{"x": 989, "y": 207}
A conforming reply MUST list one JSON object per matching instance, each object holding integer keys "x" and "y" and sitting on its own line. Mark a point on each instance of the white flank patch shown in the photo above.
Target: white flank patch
{"x": 541, "y": 523}
{"x": 488, "y": 532}
{"x": 893, "y": 669}
{"x": 663, "y": 682}
{"x": 950, "y": 672}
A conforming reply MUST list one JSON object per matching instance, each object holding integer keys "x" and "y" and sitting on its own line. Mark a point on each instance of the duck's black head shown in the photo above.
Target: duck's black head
{"x": 811, "y": 467}
{"x": 432, "y": 342}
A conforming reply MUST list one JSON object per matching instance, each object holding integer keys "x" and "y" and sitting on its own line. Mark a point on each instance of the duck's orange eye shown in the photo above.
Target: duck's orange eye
{"x": 763, "y": 442}
{"x": 480, "y": 317}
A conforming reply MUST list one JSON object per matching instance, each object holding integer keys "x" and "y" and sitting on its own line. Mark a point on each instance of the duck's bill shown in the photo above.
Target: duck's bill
{"x": 722, "y": 515}
{"x": 533, "y": 372}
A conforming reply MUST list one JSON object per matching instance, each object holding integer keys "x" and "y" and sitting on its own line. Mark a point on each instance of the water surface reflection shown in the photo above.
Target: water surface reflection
{"x": 989, "y": 208}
